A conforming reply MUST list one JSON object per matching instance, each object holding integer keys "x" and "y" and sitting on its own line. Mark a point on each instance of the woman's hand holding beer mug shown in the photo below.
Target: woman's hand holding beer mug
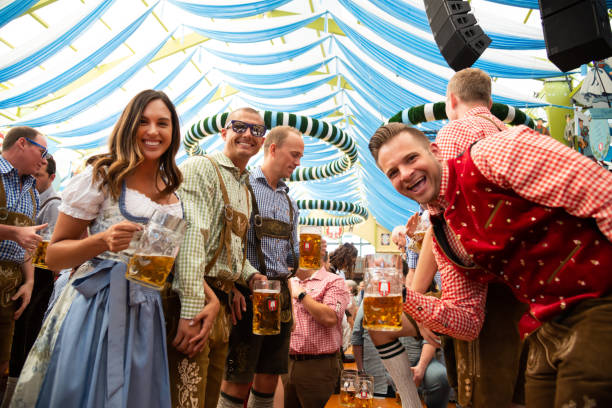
{"x": 118, "y": 237}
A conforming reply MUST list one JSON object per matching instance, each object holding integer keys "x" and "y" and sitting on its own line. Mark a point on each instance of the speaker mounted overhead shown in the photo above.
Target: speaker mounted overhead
{"x": 460, "y": 40}
{"x": 575, "y": 31}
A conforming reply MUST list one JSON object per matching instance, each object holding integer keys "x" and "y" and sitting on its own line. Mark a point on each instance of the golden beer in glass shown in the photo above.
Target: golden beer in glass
{"x": 38, "y": 259}
{"x": 150, "y": 270}
{"x": 266, "y": 308}
{"x": 364, "y": 397}
{"x": 310, "y": 247}
{"x": 348, "y": 388}
{"x": 382, "y": 302}
{"x": 382, "y": 313}
{"x": 155, "y": 249}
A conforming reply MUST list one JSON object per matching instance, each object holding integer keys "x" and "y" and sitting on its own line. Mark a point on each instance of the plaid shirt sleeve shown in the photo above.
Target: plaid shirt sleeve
{"x": 544, "y": 171}
{"x": 459, "y": 312}
{"x": 413, "y": 259}
{"x": 194, "y": 193}
{"x": 454, "y": 138}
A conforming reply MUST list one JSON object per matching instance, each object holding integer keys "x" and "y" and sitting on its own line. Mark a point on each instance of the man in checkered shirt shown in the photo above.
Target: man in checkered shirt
{"x": 319, "y": 300}
{"x": 502, "y": 212}
{"x": 273, "y": 249}
{"x": 24, "y": 153}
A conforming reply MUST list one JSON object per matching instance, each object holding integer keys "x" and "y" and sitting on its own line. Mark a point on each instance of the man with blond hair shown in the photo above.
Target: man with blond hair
{"x": 273, "y": 249}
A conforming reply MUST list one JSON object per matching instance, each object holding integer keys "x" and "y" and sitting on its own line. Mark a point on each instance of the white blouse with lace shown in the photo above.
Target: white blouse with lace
{"x": 83, "y": 199}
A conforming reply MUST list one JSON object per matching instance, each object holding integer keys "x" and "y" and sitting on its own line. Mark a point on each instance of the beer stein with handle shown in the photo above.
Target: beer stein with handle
{"x": 266, "y": 307}
{"x": 155, "y": 250}
{"x": 310, "y": 247}
{"x": 382, "y": 301}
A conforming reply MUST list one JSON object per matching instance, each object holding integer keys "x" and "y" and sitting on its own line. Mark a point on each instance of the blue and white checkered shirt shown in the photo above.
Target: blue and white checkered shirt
{"x": 18, "y": 199}
{"x": 412, "y": 258}
{"x": 272, "y": 204}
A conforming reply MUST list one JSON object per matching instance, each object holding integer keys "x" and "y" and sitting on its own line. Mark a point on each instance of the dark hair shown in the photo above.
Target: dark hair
{"x": 343, "y": 258}
{"x": 124, "y": 155}
{"x": 16, "y": 133}
{"x": 387, "y": 132}
{"x": 50, "y": 165}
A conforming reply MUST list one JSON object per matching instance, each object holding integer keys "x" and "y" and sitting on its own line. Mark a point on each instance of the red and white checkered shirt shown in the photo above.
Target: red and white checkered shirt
{"x": 458, "y": 135}
{"x": 310, "y": 337}
{"x": 537, "y": 168}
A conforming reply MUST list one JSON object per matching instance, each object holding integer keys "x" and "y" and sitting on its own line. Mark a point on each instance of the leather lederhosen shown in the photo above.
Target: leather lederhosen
{"x": 269, "y": 227}
{"x": 10, "y": 273}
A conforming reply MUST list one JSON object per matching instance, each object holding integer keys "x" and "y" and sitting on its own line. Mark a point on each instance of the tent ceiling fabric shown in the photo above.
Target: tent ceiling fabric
{"x": 69, "y": 66}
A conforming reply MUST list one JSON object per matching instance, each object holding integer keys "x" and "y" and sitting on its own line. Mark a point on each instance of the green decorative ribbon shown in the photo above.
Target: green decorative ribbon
{"x": 360, "y": 214}
{"x": 306, "y": 125}
{"x": 437, "y": 111}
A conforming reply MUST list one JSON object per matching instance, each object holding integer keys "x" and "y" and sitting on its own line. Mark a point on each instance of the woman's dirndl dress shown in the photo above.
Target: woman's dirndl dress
{"x": 104, "y": 342}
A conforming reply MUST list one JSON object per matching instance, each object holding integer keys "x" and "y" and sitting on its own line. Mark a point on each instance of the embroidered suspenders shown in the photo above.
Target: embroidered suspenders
{"x": 270, "y": 227}
{"x": 232, "y": 221}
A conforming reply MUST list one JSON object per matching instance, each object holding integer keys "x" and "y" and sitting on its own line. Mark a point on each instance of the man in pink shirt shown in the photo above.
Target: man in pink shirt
{"x": 503, "y": 212}
{"x": 319, "y": 301}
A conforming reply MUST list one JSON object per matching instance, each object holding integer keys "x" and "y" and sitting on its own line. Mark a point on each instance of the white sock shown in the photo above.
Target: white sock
{"x": 227, "y": 401}
{"x": 11, "y": 383}
{"x": 396, "y": 361}
{"x": 260, "y": 400}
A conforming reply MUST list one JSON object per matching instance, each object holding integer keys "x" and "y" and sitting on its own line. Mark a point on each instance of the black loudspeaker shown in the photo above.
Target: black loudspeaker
{"x": 575, "y": 31}
{"x": 460, "y": 40}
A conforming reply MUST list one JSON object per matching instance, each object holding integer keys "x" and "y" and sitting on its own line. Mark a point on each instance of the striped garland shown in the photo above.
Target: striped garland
{"x": 306, "y": 125}
{"x": 360, "y": 213}
{"x": 437, "y": 111}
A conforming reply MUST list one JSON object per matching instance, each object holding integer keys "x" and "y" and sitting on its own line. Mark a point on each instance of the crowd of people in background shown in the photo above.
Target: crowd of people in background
{"x": 506, "y": 296}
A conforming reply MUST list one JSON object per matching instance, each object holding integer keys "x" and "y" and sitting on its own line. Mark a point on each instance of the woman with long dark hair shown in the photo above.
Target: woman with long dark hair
{"x": 104, "y": 342}
{"x": 343, "y": 259}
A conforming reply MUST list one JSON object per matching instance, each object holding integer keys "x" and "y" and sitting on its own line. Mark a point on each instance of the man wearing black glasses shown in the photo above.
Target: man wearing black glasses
{"x": 217, "y": 206}
{"x": 24, "y": 153}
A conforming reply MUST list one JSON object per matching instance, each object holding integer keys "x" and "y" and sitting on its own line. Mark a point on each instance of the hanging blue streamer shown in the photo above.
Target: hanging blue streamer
{"x": 230, "y": 10}
{"x": 37, "y": 57}
{"x": 95, "y": 97}
{"x": 324, "y": 114}
{"x": 102, "y": 139}
{"x": 418, "y": 18}
{"x": 14, "y": 9}
{"x": 428, "y": 50}
{"x": 255, "y": 35}
{"x": 531, "y": 4}
{"x": 109, "y": 120}
{"x": 264, "y": 59}
{"x": 411, "y": 72}
{"x": 284, "y": 92}
{"x": 289, "y": 107}
{"x": 276, "y": 78}
{"x": 189, "y": 114}
{"x": 76, "y": 71}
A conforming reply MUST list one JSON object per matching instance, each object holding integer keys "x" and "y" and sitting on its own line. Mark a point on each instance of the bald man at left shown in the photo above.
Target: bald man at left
{"x": 24, "y": 153}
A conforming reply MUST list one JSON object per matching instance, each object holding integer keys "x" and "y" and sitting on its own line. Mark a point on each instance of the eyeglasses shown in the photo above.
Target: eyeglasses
{"x": 240, "y": 127}
{"x": 44, "y": 154}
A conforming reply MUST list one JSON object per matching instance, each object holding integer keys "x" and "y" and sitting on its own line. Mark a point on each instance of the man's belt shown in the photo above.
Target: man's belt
{"x": 304, "y": 357}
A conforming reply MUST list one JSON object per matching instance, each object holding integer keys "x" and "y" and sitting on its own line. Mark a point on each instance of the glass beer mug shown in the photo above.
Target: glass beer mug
{"x": 156, "y": 249}
{"x": 347, "y": 388}
{"x": 310, "y": 247}
{"x": 38, "y": 259}
{"x": 382, "y": 301}
{"x": 364, "y": 397}
{"x": 416, "y": 242}
{"x": 266, "y": 307}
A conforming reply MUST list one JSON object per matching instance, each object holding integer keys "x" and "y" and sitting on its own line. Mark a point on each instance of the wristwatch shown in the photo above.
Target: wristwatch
{"x": 301, "y": 296}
